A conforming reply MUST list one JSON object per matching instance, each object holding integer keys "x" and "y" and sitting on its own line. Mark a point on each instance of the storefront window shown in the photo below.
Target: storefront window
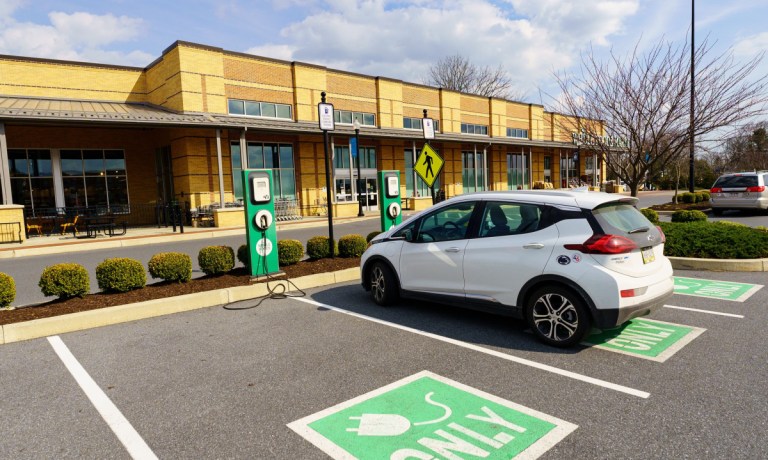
{"x": 278, "y": 157}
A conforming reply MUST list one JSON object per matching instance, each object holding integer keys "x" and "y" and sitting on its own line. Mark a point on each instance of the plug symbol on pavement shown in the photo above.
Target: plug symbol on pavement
{"x": 393, "y": 424}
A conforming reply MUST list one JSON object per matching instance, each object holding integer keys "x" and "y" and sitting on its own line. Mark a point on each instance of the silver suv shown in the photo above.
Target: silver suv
{"x": 744, "y": 190}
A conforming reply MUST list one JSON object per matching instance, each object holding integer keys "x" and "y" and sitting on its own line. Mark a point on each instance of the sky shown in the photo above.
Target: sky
{"x": 530, "y": 39}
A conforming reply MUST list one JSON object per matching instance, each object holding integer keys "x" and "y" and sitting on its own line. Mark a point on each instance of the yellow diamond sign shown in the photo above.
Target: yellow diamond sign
{"x": 428, "y": 165}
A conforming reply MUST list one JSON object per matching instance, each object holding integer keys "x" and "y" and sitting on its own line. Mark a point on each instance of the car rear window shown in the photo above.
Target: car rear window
{"x": 620, "y": 219}
{"x": 736, "y": 181}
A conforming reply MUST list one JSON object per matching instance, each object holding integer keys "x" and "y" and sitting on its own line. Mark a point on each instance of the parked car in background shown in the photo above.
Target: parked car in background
{"x": 564, "y": 261}
{"x": 743, "y": 190}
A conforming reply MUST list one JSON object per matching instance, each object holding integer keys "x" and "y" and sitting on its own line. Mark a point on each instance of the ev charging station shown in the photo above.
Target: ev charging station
{"x": 260, "y": 225}
{"x": 389, "y": 191}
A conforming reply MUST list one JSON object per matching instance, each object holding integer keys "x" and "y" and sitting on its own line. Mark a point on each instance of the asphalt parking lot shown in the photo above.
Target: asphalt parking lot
{"x": 331, "y": 373}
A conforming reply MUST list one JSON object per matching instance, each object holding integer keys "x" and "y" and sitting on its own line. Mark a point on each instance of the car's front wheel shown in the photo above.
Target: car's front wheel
{"x": 384, "y": 288}
{"x": 557, "y": 316}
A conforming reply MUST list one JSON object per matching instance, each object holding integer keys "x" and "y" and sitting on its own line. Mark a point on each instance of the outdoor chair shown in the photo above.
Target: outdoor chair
{"x": 34, "y": 226}
{"x": 67, "y": 226}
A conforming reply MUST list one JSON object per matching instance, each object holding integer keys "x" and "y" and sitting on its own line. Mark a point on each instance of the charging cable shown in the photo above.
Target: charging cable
{"x": 278, "y": 291}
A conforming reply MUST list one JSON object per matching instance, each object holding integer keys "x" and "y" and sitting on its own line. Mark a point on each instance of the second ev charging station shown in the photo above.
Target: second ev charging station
{"x": 260, "y": 222}
{"x": 389, "y": 191}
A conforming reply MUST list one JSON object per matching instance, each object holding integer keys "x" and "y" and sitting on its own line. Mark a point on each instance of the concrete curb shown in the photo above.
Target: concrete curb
{"x": 719, "y": 265}
{"x": 17, "y": 332}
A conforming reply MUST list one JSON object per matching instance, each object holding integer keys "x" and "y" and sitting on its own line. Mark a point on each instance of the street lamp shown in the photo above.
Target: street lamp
{"x": 356, "y": 124}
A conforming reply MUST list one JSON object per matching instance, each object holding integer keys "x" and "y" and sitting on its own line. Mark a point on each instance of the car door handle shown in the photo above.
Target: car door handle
{"x": 453, "y": 250}
{"x": 533, "y": 246}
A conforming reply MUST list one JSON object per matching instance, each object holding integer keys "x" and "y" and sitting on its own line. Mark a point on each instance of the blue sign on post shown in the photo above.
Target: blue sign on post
{"x": 353, "y": 146}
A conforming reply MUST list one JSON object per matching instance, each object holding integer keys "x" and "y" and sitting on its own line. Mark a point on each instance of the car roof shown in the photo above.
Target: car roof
{"x": 582, "y": 199}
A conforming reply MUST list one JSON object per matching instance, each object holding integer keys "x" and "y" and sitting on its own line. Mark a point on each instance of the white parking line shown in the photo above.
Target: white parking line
{"x": 731, "y": 315}
{"x": 134, "y": 444}
{"x": 488, "y": 351}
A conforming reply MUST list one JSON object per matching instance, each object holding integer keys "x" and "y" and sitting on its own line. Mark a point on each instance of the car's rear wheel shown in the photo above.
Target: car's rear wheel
{"x": 384, "y": 288}
{"x": 717, "y": 212}
{"x": 557, "y": 316}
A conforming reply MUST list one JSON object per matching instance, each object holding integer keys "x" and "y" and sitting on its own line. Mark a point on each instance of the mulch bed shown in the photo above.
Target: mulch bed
{"x": 237, "y": 277}
{"x": 681, "y": 206}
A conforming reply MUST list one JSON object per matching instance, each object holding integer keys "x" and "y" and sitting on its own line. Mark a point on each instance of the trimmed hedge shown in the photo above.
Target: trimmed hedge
{"x": 692, "y": 215}
{"x": 290, "y": 252}
{"x": 651, "y": 215}
{"x": 7, "y": 290}
{"x": 352, "y": 245}
{"x": 171, "y": 266}
{"x": 215, "y": 260}
{"x": 244, "y": 255}
{"x": 715, "y": 241}
{"x": 65, "y": 281}
{"x": 120, "y": 274}
{"x": 687, "y": 197}
{"x": 372, "y": 235}
{"x": 318, "y": 247}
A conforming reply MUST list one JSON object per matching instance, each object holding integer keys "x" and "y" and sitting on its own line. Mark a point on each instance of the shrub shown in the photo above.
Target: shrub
{"x": 651, "y": 215}
{"x": 371, "y": 236}
{"x": 214, "y": 260}
{"x": 710, "y": 240}
{"x": 171, "y": 266}
{"x": 728, "y": 222}
{"x": 687, "y": 197}
{"x": 352, "y": 245}
{"x": 7, "y": 290}
{"x": 317, "y": 247}
{"x": 698, "y": 197}
{"x": 290, "y": 252}
{"x": 65, "y": 281}
{"x": 704, "y": 195}
{"x": 120, "y": 274}
{"x": 244, "y": 255}
{"x": 692, "y": 215}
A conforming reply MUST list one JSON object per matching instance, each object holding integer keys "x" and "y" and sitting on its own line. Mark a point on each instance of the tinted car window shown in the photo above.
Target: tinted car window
{"x": 736, "y": 181}
{"x": 505, "y": 218}
{"x": 620, "y": 218}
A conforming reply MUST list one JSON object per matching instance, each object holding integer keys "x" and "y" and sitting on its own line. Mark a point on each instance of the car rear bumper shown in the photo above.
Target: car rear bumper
{"x": 655, "y": 297}
{"x": 740, "y": 203}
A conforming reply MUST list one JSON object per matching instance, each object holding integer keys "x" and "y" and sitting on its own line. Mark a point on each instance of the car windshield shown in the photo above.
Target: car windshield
{"x": 736, "y": 181}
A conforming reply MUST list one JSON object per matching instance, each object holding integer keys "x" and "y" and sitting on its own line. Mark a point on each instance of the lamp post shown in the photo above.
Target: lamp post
{"x": 360, "y": 213}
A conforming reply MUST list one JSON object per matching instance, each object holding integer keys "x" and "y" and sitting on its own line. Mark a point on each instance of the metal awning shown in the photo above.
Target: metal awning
{"x": 14, "y": 109}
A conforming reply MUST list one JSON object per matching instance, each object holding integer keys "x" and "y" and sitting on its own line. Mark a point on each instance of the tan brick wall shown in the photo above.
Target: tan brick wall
{"x": 450, "y": 111}
{"x": 62, "y": 80}
{"x": 390, "y": 103}
{"x": 194, "y": 63}
{"x": 309, "y": 82}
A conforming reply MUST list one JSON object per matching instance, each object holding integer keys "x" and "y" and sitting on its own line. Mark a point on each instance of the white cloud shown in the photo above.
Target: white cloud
{"x": 77, "y": 36}
{"x": 401, "y": 39}
{"x": 751, "y": 46}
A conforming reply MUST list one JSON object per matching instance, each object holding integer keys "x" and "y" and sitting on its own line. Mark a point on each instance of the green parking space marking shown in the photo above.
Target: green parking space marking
{"x": 725, "y": 290}
{"x": 427, "y": 416}
{"x": 646, "y": 338}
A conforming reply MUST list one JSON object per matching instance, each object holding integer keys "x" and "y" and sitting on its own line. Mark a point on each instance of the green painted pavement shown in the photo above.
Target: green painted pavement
{"x": 725, "y": 290}
{"x": 427, "y": 416}
{"x": 645, "y": 338}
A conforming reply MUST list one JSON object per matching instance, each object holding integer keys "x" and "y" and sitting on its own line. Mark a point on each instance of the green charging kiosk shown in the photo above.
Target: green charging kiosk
{"x": 389, "y": 193}
{"x": 260, "y": 225}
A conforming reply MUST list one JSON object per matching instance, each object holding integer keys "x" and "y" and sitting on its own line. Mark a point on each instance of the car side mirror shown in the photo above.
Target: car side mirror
{"x": 408, "y": 235}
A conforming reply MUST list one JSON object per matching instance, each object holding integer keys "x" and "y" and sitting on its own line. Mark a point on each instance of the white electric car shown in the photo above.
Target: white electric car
{"x": 564, "y": 261}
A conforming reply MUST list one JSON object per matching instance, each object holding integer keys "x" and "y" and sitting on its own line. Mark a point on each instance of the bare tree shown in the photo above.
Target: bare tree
{"x": 459, "y": 74}
{"x": 643, "y": 101}
{"x": 747, "y": 150}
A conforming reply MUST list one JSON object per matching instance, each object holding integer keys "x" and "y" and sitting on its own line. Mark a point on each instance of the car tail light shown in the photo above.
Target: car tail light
{"x": 716, "y": 190}
{"x": 633, "y": 292}
{"x": 661, "y": 232}
{"x": 604, "y": 244}
{"x": 760, "y": 188}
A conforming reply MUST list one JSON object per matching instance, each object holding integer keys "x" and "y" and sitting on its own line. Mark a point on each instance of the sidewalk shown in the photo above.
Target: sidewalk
{"x": 57, "y": 244}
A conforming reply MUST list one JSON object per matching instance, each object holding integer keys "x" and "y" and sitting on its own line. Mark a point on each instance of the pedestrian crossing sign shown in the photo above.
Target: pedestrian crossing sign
{"x": 428, "y": 165}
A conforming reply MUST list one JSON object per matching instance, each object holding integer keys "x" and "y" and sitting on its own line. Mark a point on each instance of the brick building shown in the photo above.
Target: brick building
{"x": 76, "y": 135}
